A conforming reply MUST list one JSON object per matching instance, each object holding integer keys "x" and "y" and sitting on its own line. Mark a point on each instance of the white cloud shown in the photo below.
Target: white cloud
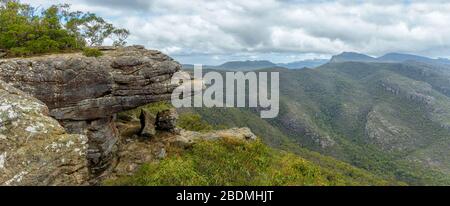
{"x": 286, "y": 27}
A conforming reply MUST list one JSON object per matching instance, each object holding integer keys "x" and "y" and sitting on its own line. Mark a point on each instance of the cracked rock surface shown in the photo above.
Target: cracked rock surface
{"x": 34, "y": 148}
{"x": 85, "y": 93}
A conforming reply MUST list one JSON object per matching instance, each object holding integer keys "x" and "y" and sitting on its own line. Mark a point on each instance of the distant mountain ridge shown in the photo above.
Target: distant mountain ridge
{"x": 309, "y": 63}
{"x": 249, "y": 65}
{"x": 262, "y": 64}
{"x": 387, "y": 58}
{"x": 352, "y": 57}
{"x": 398, "y": 57}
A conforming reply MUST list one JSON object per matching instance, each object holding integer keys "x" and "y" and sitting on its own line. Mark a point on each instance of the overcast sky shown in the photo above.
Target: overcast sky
{"x": 212, "y": 32}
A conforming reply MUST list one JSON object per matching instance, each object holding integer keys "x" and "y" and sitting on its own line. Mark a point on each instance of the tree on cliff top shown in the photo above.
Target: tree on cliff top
{"x": 25, "y": 30}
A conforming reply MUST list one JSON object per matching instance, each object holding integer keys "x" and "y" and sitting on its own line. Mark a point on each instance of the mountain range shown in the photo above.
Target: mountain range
{"x": 313, "y": 63}
{"x": 388, "y": 115}
{"x": 309, "y": 63}
{"x": 258, "y": 64}
{"x": 387, "y": 58}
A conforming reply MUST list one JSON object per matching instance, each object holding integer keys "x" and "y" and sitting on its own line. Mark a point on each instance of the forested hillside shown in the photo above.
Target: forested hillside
{"x": 390, "y": 118}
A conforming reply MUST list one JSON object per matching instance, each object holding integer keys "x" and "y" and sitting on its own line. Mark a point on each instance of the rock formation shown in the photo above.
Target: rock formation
{"x": 135, "y": 152}
{"x": 421, "y": 93}
{"x": 34, "y": 148}
{"x": 167, "y": 120}
{"x": 187, "y": 138}
{"x": 147, "y": 121}
{"x": 58, "y": 116}
{"x": 85, "y": 93}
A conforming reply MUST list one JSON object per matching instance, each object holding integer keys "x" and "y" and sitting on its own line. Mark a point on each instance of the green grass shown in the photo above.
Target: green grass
{"x": 232, "y": 162}
{"x": 193, "y": 122}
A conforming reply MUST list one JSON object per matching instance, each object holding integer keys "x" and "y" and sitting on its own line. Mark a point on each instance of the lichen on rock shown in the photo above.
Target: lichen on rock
{"x": 85, "y": 93}
{"x": 34, "y": 148}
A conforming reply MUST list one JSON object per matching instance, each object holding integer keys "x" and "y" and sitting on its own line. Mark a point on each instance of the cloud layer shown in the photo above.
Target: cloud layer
{"x": 215, "y": 31}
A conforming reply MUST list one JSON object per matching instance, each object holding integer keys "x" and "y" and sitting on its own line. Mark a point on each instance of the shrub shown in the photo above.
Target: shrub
{"x": 92, "y": 52}
{"x": 19, "y": 52}
{"x": 25, "y": 30}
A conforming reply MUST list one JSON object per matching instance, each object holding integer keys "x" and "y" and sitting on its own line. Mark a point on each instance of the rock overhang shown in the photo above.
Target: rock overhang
{"x": 75, "y": 87}
{"x": 85, "y": 93}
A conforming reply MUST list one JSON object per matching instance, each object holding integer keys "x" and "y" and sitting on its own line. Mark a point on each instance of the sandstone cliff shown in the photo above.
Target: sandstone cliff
{"x": 84, "y": 93}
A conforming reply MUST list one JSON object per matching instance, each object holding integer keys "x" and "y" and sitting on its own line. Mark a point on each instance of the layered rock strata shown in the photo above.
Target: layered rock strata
{"x": 85, "y": 93}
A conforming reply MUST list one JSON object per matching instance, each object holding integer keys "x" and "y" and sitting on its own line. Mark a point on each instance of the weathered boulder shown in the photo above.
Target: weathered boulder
{"x": 187, "y": 138}
{"x": 85, "y": 93}
{"x": 147, "y": 121}
{"x": 167, "y": 120}
{"x": 34, "y": 148}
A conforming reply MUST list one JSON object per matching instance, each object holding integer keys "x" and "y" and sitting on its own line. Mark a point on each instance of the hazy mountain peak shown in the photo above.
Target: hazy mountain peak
{"x": 399, "y": 57}
{"x": 247, "y": 65}
{"x": 351, "y": 56}
{"x": 308, "y": 63}
{"x": 248, "y": 62}
{"x": 392, "y": 57}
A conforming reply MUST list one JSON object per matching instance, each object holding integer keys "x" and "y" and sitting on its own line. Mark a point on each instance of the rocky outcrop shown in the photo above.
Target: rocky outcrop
{"x": 386, "y": 134}
{"x": 421, "y": 93}
{"x": 187, "y": 138}
{"x": 34, "y": 148}
{"x": 167, "y": 120}
{"x": 147, "y": 121}
{"x": 84, "y": 93}
{"x": 135, "y": 152}
{"x": 303, "y": 126}
{"x": 75, "y": 87}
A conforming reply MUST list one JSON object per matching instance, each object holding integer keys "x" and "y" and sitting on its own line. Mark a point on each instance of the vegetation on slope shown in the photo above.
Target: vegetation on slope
{"x": 92, "y": 52}
{"x": 390, "y": 119}
{"x": 25, "y": 30}
{"x": 233, "y": 162}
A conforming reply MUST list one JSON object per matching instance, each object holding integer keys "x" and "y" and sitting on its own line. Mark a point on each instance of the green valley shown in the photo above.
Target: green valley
{"x": 392, "y": 119}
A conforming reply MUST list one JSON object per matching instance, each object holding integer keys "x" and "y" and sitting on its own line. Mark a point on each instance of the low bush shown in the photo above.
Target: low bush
{"x": 92, "y": 52}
